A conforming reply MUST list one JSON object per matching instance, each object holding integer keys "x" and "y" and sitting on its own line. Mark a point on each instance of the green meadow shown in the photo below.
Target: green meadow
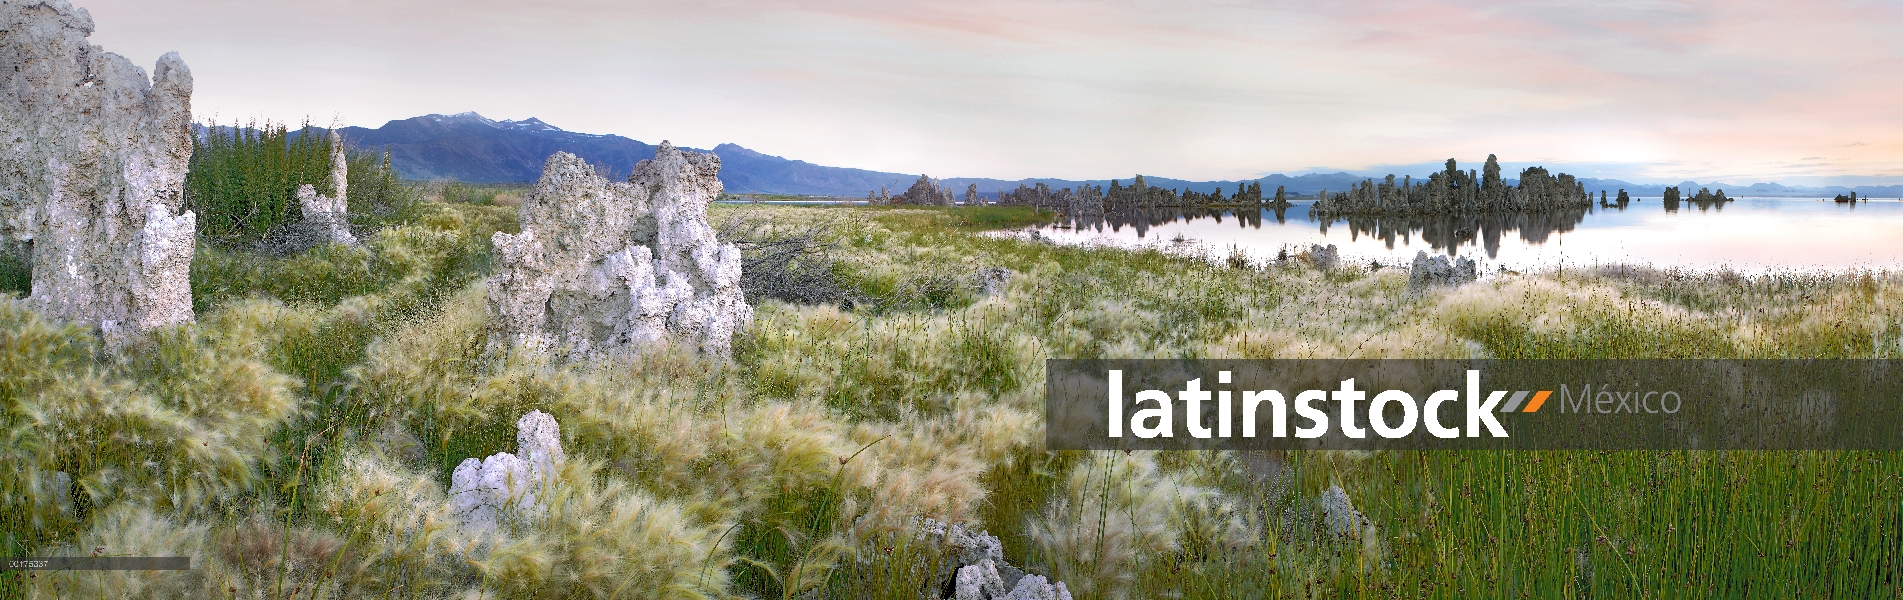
{"x": 298, "y": 438}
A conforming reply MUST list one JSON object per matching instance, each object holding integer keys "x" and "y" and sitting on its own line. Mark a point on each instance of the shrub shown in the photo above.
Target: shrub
{"x": 788, "y": 263}
{"x": 243, "y": 180}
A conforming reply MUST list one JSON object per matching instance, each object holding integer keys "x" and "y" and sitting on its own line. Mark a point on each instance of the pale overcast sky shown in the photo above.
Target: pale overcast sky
{"x": 1736, "y": 90}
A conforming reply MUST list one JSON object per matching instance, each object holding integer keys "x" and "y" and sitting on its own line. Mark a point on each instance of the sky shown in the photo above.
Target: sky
{"x": 1800, "y": 93}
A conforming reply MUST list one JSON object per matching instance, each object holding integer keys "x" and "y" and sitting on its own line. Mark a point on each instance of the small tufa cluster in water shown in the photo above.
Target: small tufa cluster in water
{"x": 1082, "y": 201}
{"x": 924, "y": 192}
{"x": 1453, "y": 191}
{"x": 93, "y": 172}
{"x": 1706, "y": 199}
{"x": 604, "y": 268}
{"x": 1090, "y": 200}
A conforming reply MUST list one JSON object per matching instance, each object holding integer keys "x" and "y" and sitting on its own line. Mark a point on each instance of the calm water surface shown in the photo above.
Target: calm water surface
{"x": 1750, "y": 234}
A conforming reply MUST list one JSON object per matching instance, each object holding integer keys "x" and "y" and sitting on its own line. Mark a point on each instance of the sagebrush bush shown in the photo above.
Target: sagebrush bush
{"x": 795, "y": 264}
{"x": 243, "y": 180}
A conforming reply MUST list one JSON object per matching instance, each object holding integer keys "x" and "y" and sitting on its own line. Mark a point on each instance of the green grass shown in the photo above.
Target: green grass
{"x": 974, "y": 218}
{"x": 344, "y": 385}
{"x": 486, "y": 194}
{"x": 770, "y": 197}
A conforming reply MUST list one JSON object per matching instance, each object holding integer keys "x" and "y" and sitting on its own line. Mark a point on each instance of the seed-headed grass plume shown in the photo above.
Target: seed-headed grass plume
{"x": 395, "y": 524}
{"x": 129, "y": 530}
{"x": 606, "y": 539}
{"x": 1116, "y": 512}
{"x": 178, "y": 422}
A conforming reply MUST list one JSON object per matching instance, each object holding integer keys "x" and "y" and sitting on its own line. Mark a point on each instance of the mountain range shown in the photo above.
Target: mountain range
{"x": 471, "y": 148}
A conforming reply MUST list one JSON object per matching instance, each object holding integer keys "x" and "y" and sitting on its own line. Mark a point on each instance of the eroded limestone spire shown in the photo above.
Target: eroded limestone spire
{"x": 603, "y": 268}
{"x": 92, "y": 172}
{"x": 327, "y": 218}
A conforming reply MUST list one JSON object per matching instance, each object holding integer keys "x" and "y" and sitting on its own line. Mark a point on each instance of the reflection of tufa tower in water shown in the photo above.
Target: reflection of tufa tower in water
{"x": 1447, "y": 209}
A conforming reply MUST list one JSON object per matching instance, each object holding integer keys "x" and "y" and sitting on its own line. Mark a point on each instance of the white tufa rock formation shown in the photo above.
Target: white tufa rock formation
{"x": 326, "y": 219}
{"x": 994, "y": 280}
{"x": 93, "y": 157}
{"x": 1429, "y": 271}
{"x": 602, "y": 268}
{"x": 966, "y": 547}
{"x": 1324, "y": 258}
{"x": 974, "y": 567}
{"x": 487, "y": 493}
{"x": 982, "y": 581}
{"x": 1338, "y": 515}
{"x": 926, "y": 192}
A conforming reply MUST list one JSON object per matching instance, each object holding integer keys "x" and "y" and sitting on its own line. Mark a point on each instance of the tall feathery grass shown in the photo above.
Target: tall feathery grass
{"x": 298, "y": 440}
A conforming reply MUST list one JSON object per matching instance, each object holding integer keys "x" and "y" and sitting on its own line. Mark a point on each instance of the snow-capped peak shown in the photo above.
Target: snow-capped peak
{"x": 529, "y": 124}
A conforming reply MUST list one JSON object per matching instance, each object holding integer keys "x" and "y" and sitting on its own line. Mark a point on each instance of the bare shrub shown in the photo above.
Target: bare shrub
{"x": 792, "y": 264}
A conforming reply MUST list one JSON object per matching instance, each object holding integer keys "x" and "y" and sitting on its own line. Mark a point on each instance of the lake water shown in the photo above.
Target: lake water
{"x": 1749, "y": 234}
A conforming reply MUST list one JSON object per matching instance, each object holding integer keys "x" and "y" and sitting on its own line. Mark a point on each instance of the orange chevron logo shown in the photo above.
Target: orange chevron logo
{"x": 1538, "y": 400}
{"x": 1513, "y": 404}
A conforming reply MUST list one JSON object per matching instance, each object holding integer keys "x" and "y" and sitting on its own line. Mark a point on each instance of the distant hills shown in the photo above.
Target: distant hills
{"x": 471, "y": 148}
